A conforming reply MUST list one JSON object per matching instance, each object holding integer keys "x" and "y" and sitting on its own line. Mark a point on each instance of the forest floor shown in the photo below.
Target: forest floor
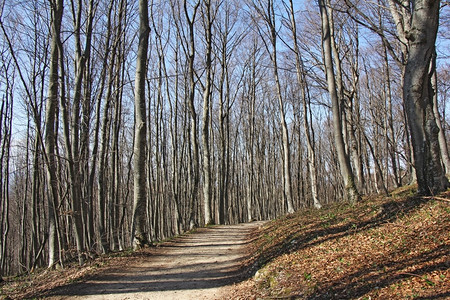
{"x": 385, "y": 247}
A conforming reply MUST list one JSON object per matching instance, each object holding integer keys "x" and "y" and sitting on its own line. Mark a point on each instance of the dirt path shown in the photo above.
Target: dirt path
{"x": 196, "y": 266}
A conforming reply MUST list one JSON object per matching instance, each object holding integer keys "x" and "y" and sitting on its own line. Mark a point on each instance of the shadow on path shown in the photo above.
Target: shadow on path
{"x": 211, "y": 258}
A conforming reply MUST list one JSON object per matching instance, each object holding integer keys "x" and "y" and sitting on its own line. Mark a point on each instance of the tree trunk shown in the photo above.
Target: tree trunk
{"x": 309, "y": 133}
{"x": 193, "y": 137}
{"x": 351, "y": 191}
{"x": 441, "y": 137}
{"x": 269, "y": 17}
{"x": 223, "y": 174}
{"x": 392, "y": 147}
{"x": 205, "y": 117}
{"x": 6, "y": 117}
{"x": 139, "y": 234}
{"x": 418, "y": 96}
{"x": 49, "y": 134}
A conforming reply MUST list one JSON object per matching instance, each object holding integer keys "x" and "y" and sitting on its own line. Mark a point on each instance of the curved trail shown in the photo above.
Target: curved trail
{"x": 195, "y": 266}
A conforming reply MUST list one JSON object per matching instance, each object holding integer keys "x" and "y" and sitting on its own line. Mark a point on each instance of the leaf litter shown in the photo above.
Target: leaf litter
{"x": 395, "y": 247}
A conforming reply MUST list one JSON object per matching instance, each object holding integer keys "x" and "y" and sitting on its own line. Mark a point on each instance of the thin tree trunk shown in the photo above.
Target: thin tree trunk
{"x": 99, "y": 154}
{"x": 355, "y": 116}
{"x": 392, "y": 148}
{"x": 73, "y": 166}
{"x": 306, "y": 127}
{"x": 102, "y": 182}
{"x": 139, "y": 234}
{"x": 222, "y": 139}
{"x": 270, "y": 20}
{"x": 251, "y": 115}
{"x": 193, "y": 134}
{"x": 49, "y": 134}
{"x": 442, "y": 140}
{"x": 206, "y": 116}
{"x": 351, "y": 191}
{"x": 115, "y": 199}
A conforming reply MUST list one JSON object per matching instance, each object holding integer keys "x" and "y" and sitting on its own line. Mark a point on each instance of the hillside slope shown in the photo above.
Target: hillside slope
{"x": 394, "y": 247}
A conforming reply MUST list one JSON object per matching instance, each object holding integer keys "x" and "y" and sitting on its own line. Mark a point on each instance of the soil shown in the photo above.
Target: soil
{"x": 195, "y": 266}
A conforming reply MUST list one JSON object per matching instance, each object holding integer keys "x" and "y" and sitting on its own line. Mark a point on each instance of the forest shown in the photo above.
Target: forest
{"x": 127, "y": 122}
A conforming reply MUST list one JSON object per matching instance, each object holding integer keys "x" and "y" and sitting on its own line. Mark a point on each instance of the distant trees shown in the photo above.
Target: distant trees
{"x": 328, "y": 45}
{"x": 266, "y": 11}
{"x": 306, "y": 103}
{"x": 127, "y": 122}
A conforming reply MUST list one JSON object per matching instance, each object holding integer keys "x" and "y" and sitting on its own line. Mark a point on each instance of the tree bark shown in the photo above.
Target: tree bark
{"x": 418, "y": 96}
{"x": 193, "y": 137}
{"x": 206, "y": 116}
{"x": 57, "y": 7}
{"x": 139, "y": 234}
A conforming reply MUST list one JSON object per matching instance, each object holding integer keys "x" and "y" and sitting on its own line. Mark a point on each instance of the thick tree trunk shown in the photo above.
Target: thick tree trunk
{"x": 6, "y": 119}
{"x": 418, "y": 96}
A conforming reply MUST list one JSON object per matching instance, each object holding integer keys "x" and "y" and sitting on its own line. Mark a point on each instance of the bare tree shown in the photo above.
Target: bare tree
{"x": 309, "y": 131}
{"x": 194, "y": 127}
{"x": 418, "y": 96}
{"x": 139, "y": 234}
{"x": 267, "y": 12}
{"x": 6, "y": 117}
{"x": 416, "y": 38}
{"x": 442, "y": 140}
{"x": 72, "y": 127}
{"x": 207, "y": 86}
{"x": 57, "y": 7}
{"x": 352, "y": 193}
